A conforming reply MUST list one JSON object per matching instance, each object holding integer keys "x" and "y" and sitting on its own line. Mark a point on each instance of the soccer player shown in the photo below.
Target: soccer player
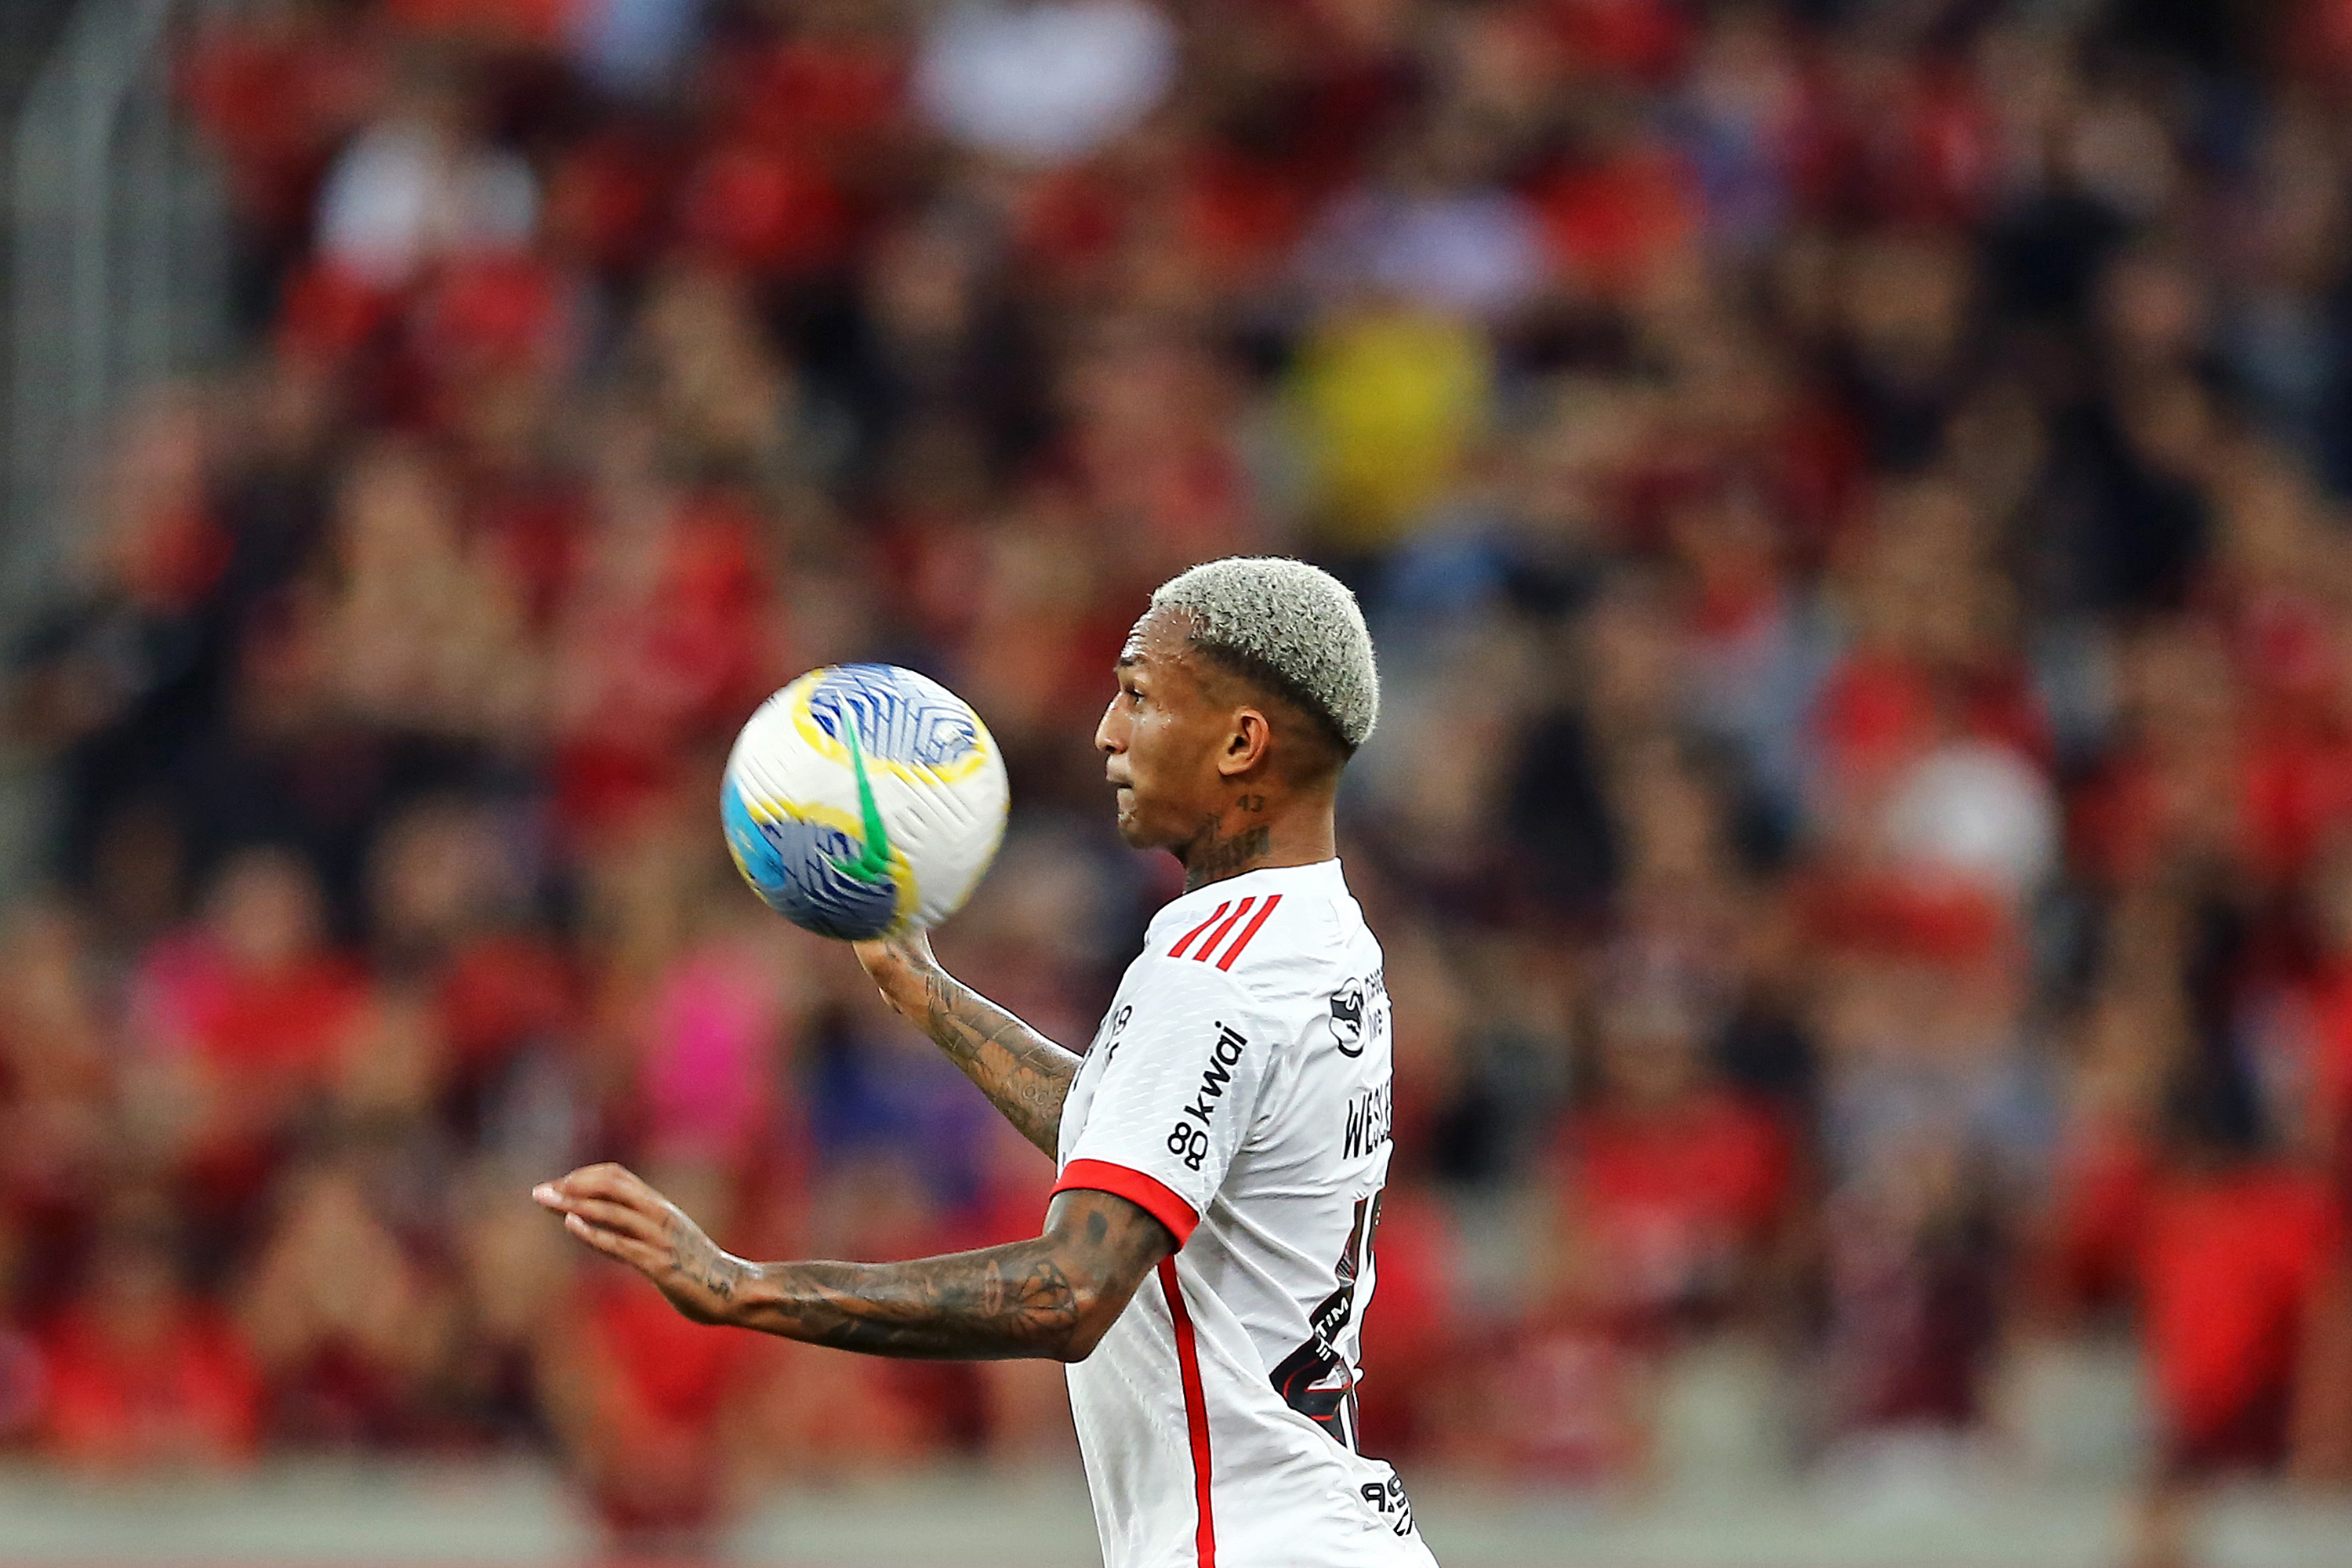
{"x": 1207, "y": 1255}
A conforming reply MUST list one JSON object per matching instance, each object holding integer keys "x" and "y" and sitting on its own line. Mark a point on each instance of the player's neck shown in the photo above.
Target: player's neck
{"x": 1295, "y": 833}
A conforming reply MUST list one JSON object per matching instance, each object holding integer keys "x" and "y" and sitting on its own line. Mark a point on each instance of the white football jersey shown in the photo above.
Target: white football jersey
{"x": 1239, "y": 1091}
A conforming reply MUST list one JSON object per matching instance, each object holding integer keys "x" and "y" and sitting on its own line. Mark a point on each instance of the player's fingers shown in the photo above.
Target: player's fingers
{"x": 595, "y": 1236}
{"x": 614, "y": 1245}
{"x": 606, "y": 1181}
{"x": 553, "y": 1194}
{"x": 625, "y": 1219}
{"x": 597, "y": 1179}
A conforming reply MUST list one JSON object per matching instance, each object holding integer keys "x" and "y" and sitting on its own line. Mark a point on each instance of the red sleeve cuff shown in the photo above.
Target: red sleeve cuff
{"x": 1154, "y": 1197}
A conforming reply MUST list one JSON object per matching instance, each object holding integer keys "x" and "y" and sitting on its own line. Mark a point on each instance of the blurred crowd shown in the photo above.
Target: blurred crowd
{"x": 1851, "y": 501}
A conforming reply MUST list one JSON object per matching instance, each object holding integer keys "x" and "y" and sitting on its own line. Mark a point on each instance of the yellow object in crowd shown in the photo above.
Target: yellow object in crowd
{"x": 1390, "y": 400}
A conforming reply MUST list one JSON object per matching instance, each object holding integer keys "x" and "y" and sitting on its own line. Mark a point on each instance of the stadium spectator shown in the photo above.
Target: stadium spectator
{"x": 142, "y": 1373}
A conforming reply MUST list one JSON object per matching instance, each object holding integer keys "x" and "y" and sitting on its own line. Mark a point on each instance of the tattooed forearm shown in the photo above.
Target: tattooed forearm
{"x": 1025, "y": 1074}
{"x": 1014, "y": 1300}
{"x": 1052, "y": 1297}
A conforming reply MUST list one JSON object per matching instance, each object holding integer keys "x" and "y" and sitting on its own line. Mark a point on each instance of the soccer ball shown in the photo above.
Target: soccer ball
{"x": 863, "y": 800}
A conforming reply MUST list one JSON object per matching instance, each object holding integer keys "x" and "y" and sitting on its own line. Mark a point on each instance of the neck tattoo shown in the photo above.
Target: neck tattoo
{"x": 1212, "y": 858}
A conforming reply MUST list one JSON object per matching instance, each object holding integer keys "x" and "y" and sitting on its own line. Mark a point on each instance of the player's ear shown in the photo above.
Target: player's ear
{"x": 1246, "y": 743}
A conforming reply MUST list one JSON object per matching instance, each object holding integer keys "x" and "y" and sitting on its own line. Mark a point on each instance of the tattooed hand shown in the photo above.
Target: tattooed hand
{"x": 611, "y": 1209}
{"x": 899, "y": 963}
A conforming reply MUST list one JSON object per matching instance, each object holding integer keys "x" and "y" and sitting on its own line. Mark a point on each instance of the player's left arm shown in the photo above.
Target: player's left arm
{"x": 1027, "y": 1076}
{"x": 1052, "y": 1297}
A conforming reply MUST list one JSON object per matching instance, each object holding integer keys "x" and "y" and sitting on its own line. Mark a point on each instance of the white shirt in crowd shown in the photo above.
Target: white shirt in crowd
{"x": 1042, "y": 82}
{"x": 404, "y": 194}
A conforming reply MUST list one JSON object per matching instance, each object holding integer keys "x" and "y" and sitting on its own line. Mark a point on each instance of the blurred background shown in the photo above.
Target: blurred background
{"x": 1851, "y": 499}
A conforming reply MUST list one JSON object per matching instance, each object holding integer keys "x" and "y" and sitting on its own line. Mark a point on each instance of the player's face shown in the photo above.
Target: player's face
{"x": 1160, "y": 739}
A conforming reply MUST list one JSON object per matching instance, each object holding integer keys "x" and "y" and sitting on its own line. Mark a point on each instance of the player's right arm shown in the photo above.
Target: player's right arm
{"x": 1025, "y": 1075}
{"x": 1054, "y": 1296}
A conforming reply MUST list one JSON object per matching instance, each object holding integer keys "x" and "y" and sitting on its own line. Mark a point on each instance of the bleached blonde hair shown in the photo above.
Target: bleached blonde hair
{"x": 1293, "y": 627}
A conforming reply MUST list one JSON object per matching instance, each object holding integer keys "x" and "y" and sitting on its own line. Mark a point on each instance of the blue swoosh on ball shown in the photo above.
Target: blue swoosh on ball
{"x": 792, "y": 864}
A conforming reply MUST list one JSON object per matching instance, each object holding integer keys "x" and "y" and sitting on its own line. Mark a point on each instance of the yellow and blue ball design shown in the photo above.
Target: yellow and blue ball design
{"x": 863, "y": 800}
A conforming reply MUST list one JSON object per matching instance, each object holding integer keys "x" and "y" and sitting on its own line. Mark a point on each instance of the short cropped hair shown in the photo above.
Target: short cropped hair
{"x": 1291, "y": 627}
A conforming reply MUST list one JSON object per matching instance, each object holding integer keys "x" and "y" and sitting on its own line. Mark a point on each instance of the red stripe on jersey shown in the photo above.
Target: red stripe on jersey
{"x": 1218, "y": 935}
{"x": 1150, "y": 1194}
{"x": 1248, "y": 932}
{"x": 1196, "y": 1411}
{"x": 1178, "y": 950}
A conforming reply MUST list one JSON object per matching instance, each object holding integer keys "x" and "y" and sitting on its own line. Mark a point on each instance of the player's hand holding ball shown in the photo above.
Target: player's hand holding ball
{"x": 864, "y": 802}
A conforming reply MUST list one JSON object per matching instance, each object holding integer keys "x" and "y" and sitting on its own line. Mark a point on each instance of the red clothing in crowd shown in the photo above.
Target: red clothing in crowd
{"x": 682, "y": 650}
{"x": 1676, "y": 1199}
{"x": 276, "y": 101}
{"x": 2229, "y": 1265}
{"x": 501, "y": 991}
{"x": 658, "y": 1384}
{"x": 1412, "y": 1335}
{"x": 190, "y": 1395}
{"x": 262, "y": 1041}
{"x": 287, "y": 1027}
{"x": 2272, "y": 798}
{"x": 2225, "y": 1264}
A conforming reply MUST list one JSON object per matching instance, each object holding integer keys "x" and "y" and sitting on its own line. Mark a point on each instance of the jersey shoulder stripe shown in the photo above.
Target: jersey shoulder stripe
{"x": 1248, "y": 932}
{"x": 1224, "y": 918}
{"x": 1241, "y": 913}
{"x": 1178, "y": 950}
